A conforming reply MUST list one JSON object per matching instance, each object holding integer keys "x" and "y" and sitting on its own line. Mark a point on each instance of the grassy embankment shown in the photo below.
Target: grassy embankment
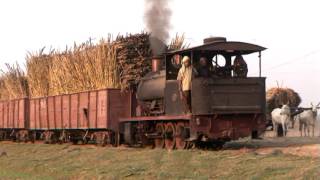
{"x": 40, "y": 161}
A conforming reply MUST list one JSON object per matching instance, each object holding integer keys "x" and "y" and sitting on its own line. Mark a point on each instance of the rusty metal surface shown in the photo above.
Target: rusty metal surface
{"x": 74, "y": 104}
{"x": 65, "y": 112}
{"x": 93, "y": 103}
{"x": 43, "y": 109}
{"x": 152, "y": 86}
{"x": 157, "y": 118}
{"x": 51, "y": 112}
{"x": 228, "y": 126}
{"x": 98, "y": 109}
{"x": 231, "y": 46}
{"x": 13, "y": 114}
{"x": 57, "y": 112}
{"x": 156, "y": 64}
{"x": 173, "y": 102}
{"x": 119, "y": 107}
{"x": 2, "y": 116}
{"x": 102, "y": 111}
{"x": 228, "y": 96}
{"x": 32, "y": 115}
{"x": 83, "y": 110}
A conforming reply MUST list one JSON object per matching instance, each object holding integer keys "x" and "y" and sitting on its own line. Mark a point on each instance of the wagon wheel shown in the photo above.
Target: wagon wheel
{"x": 169, "y": 136}
{"x": 49, "y": 138}
{"x": 98, "y": 138}
{"x": 159, "y": 142}
{"x": 25, "y": 137}
{"x": 2, "y": 136}
{"x": 46, "y": 136}
{"x": 63, "y": 137}
{"x": 105, "y": 139}
{"x": 17, "y": 137}
{"x": 180, "y": 136}
{"x": 33, "y": 137}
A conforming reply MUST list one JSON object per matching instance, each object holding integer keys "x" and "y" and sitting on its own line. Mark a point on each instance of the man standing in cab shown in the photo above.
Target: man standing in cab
{"x": 185, "y": 75}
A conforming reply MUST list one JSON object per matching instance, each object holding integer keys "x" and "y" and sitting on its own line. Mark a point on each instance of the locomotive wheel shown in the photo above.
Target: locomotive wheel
{"x": 180, "y": 137}
{"x": 159, "y": 142}
{"x": 169, "y": 136}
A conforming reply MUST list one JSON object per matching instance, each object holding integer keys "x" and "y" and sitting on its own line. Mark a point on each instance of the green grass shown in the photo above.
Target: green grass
{"x": 40, "y": 161}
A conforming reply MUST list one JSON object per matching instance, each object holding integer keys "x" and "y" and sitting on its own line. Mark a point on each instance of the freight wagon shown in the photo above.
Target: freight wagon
{"x": 14, "y": 119}
{"x": 85, "y": 116}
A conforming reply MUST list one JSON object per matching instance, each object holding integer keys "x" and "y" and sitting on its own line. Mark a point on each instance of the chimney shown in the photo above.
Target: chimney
{"x": 156, "y": 63}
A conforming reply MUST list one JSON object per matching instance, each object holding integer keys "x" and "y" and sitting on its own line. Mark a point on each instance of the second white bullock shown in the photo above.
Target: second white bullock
{"x": 281, "y": 116}
{"x": 307, "y": 119}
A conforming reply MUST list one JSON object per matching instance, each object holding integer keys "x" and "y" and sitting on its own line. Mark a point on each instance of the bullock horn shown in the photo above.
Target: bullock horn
{"x": 311, "y": 104}
{"x": 318, "y": 104}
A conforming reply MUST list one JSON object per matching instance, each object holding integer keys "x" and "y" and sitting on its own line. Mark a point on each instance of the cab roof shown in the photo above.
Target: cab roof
{"x": 232, "y": 47}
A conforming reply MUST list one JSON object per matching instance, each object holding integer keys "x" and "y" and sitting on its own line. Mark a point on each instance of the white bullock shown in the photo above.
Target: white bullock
{"x": 308, "y": 119}
{"x": 281, "y": 116}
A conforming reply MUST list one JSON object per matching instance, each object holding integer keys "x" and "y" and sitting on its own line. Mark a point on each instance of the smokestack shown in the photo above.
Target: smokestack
{"x": 157, "y": 18}
{"x": 156, "y": 63}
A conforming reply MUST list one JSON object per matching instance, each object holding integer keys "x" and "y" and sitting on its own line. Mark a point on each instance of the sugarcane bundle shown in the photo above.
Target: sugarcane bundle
{"x": 38, "y": 65}
{"x": 133, "y": 58}
{"x": 278, "y": 96}
{"x": 177, "y": 43}
{"x": 83, "y": 67}
{"x": 89, "y": 66}
{"x": 4, "y": 94}
{"x": 13, "y": 83}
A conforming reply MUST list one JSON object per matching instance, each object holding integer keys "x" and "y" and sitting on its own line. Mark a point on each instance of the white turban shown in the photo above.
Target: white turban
{"x": 185, "y": 59}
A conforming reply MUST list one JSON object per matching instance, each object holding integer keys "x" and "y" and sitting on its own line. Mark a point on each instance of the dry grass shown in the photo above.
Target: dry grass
{"x": 41, "y": 161}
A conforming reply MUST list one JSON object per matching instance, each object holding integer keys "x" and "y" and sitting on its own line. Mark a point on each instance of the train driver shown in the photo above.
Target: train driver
{"x": 204, "y": 70}
{"x": 240, "y": 67}
{"x": 185, "y": 75}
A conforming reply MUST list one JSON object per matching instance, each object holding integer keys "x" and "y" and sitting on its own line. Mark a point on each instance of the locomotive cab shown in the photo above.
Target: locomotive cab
{"x": 225, "y": 90}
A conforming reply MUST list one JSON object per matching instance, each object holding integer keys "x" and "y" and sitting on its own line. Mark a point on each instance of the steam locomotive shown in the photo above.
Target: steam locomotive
{"x": 224, "y": 107}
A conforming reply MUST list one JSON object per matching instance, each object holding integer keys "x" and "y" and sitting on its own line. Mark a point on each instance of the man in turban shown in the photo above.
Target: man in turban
{"x": 185, "y": 75}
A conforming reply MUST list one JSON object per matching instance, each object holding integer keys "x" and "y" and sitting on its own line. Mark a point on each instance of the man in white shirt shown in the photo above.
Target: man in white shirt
{"x": 185, "y": 75}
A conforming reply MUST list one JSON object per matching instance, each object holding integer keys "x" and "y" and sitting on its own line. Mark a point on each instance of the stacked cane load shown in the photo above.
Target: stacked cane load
{"x": 276, "y": 97}
{"x": 133, "y": 58}
{"x": 13, "y": 83}
{"x": 109, "y": 63}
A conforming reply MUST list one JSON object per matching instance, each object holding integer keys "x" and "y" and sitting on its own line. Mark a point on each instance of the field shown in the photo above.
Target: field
{"x": 282, "y": 158}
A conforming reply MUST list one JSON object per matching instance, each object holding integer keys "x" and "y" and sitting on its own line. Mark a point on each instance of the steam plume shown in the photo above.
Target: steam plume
{"x": 157, "y": 18}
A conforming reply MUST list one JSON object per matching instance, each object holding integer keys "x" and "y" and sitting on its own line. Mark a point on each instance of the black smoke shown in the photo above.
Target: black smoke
{"x": 157, "y": 18}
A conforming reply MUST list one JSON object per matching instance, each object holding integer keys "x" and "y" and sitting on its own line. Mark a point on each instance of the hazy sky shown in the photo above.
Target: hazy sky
{"x": 289, "y": 29}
